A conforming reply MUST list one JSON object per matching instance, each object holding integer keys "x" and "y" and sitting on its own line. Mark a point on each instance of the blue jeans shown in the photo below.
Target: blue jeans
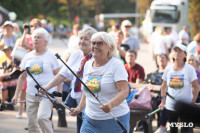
{"x": 104, "y": 126}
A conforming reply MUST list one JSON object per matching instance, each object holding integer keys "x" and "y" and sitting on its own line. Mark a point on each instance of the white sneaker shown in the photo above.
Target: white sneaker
{"x": 18, "y": 116}
{"x": 161, "y": 130}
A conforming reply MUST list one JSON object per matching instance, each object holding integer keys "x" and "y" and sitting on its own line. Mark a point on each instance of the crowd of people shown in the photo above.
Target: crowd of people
{"x": 105, "y": 63}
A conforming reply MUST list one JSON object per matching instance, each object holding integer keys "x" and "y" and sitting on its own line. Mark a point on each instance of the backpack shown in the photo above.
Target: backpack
{"x": 154, "y": 78}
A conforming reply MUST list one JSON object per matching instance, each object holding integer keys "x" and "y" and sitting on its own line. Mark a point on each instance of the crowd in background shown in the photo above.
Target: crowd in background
{"x": 164, "y": 42}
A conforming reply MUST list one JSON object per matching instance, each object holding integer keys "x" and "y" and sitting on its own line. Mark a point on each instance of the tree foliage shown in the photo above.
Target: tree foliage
{"x": 68, "y": 9}
{"x": 194, "y": 17}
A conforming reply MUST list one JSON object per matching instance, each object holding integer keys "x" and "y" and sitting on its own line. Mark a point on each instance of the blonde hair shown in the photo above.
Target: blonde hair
{"x": 37, "y": 21}
{"x": 109, "y": 40}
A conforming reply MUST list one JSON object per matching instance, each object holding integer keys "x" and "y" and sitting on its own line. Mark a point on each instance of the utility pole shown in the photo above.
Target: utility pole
{"x": 136, "y": 12}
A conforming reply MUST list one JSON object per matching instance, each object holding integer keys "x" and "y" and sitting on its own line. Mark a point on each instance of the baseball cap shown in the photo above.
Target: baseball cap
{"x": 181, "y": 46}
{"x": 8, "y": 23}
{"x": 43, "y": 21}
{"x": 126, "y": 23}
{"x": 6, "y": 47}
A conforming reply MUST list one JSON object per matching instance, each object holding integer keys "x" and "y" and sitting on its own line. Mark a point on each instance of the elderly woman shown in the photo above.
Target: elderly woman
{"x": 178, "y": 80}
{"x": 193, "y": 60}
{"x": 76, "y": 62}
{"x": 106, "y": 77}
{"x": 26, "y": 42}
{"x": 8, "y": 85}
{"x": 7, "y": 38}
{"x": 43, "y": 65}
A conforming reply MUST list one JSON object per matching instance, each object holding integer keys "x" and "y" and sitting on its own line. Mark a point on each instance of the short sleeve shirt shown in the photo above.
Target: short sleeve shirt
{"x": 101, "y": 81}
{"x": 179, "y": 84}
{"x": 136, "y": 72}
{"x": 41, "y": 67}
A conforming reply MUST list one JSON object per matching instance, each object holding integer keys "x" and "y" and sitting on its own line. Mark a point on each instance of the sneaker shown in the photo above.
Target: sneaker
{"x": 161, "y": 130}
{"x": 18, "y": 116}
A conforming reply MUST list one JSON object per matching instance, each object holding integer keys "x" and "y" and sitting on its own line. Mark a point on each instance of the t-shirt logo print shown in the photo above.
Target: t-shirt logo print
{"x": 176, "y": 81}
{"x": 93, "y": 83}
{"x": 36, "y": 68}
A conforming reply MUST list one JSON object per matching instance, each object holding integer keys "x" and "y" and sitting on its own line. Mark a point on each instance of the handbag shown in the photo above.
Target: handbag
{"x": 143, "y": 102}
{"x": 18, "y": 52}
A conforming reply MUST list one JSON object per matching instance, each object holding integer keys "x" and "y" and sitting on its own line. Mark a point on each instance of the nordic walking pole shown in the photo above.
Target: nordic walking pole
{"x": 158, "y": 109}
{"x": 49, "y": 96}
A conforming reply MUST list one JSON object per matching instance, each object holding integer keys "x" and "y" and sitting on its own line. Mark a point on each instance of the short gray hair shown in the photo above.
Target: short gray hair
{"x": 109, "y": 40}
{"x": 87, "y": 31}
{"x": 42, "y": 32}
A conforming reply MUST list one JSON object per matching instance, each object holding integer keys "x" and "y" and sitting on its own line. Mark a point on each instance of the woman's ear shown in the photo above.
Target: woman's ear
{"x": 185, "y": 59}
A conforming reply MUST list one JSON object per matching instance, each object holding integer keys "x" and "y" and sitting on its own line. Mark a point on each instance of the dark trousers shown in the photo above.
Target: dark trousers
{"x": 163, "y": 118}
{"x": 11, "y": 92}
{"x": 173, "y": 117}
{"x": 79, "y": 122}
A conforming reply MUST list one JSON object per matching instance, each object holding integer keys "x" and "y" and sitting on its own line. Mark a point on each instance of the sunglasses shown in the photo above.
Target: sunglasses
{"x": 100, "y": 43}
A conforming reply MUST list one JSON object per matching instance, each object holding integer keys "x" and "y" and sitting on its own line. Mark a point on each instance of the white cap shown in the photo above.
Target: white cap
{"x": 15, "y": 25}
{"x": 181, "y": 46}
{"x": 43, "y": 21}
{"x": 6, "y": 47}
{"x": 8, "y": 23}
{"x": 126, "y": 23}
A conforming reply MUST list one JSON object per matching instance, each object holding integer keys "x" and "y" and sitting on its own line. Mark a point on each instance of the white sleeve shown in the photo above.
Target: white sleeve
{"x": 164, "y": 76}
{"x": 73, "y": 60}
{"x": 120, "y": 72}
{"x": 22, "y": 64}
{"x": 55, "y": 63}
{"x": 66, "y": 73}
{"x": 192, "y": 74}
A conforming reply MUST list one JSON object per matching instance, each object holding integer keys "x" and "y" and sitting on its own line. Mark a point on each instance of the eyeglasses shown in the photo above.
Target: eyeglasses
{"x": 100, "y": 43}
{"x": 127, "y": 26}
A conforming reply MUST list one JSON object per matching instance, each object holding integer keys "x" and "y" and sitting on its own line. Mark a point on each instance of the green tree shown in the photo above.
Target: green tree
{"x": 23, "y": 8}
{"x": 194, "y": 17}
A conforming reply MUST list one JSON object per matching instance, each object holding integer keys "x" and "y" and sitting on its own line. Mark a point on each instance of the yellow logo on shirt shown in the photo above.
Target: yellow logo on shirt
{"x": 94, "y": 83}
{"x": 176, "y": 81}
{"x": 36, "y": 68}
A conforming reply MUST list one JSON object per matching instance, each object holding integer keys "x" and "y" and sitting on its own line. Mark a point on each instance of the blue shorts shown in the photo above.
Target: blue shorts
{"x": 104, "y": 126}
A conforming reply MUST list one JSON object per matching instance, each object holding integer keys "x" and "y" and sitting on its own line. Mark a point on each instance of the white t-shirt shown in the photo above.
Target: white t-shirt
{"x": 169, "y": 40}
{"x": 41, "y": 67}
{"x": 73, "y": 42}
{"x": 179, "y": 84}
{"x": 159, "y": 44}
{"x": 184, "y": 35}
{"x": 101, "y": 80}
{"x": 74, "y": 63}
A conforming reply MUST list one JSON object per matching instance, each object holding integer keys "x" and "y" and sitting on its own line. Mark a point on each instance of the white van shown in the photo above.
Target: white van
{"x": 165, "y": 13}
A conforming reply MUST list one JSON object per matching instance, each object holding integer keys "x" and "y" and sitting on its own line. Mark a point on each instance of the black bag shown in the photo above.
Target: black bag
{"x": 71, "y": 102}
{"x": 154, "y": 78}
